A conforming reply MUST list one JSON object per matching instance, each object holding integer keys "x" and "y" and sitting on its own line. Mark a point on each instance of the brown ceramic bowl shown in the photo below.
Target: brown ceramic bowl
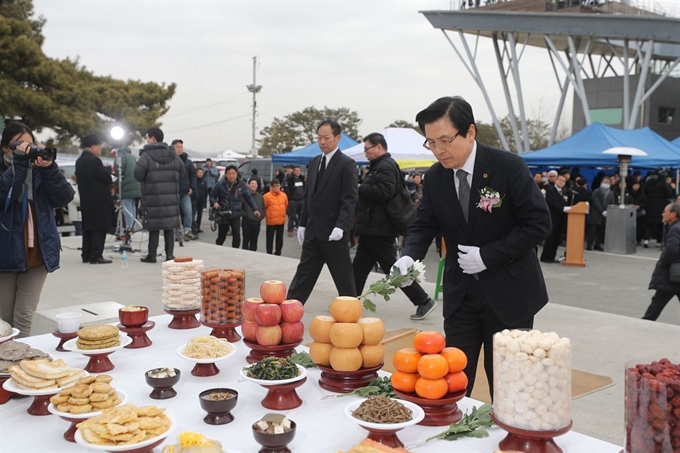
{"x": 274, "y": 441}
{"x": 162, "y": 387}
{"x": 219, "y": 411}
{"x": 133, "y": 318}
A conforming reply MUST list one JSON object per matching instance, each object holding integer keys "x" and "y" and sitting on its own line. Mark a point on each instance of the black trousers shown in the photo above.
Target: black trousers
{"x": 93, "y": 244}
{"x": 552, "y": 242}
{"x": 199, "y": 205}
{"x": 235, "y": 225}
{"x": 595, "y": 235}
{"x": 315, "y": 253}
{"x": 382, "y": 250}
{"x": 294, "y": 213}
{"x": 168, "y": 237}
{"x": 274, "y": 230}
{"x": 659, "y": 302}
{"x": 472, "y": 326}
{"x": 250, "y": 234}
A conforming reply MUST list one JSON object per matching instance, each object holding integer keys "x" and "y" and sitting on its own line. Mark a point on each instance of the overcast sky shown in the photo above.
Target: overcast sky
{"x": 378, "y": 57}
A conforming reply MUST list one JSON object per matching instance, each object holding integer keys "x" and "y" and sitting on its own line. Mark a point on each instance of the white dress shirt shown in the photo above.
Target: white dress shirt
{"x": 469, "y": 167}
{"x": 329, "y": 156}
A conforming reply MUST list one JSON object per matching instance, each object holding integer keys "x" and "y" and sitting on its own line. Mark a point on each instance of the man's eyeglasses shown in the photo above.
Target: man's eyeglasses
{"x": 439, "y": 143}
{"x": 370, "y": 147}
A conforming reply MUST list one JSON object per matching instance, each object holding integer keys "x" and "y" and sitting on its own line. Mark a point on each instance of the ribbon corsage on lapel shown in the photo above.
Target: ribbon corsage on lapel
{"x": 489, "y": 199}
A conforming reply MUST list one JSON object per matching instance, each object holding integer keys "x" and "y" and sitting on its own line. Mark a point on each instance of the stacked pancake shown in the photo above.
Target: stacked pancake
{"x": 13, "y": 352}
{"x": 43, "y": 374}
{"x": 98, "y": 337}
{"x": 182, "y": 283}
{"x": 88, "y": 394}
{"x": 125, "y": 425}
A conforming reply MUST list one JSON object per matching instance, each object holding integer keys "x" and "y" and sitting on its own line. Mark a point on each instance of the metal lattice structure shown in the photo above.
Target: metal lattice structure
{"x": 580, "y": 46}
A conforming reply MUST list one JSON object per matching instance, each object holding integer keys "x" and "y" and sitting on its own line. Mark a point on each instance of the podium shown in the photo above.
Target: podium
{"x": 576, "y": 229}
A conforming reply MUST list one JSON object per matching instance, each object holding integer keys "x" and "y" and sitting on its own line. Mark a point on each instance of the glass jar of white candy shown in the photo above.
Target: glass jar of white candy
{"x": 532, "y": 380}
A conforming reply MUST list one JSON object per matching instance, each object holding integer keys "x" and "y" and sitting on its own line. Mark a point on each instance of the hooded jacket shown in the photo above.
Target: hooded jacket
{"x": 188, "y": 179}
{"x": 159, "y": 170}
{"x": 50, "y": 190}
{"x": 130, "y": 186}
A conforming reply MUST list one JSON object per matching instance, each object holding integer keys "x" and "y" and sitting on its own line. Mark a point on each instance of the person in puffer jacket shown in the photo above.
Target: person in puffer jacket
{"x": 275, "y": 205}
{"x": 228, "y": 195}
{"x": 30, "y": 190}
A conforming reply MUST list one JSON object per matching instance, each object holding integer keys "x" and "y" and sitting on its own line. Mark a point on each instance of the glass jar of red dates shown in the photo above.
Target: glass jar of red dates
{"x": 223, "y": 292}
{"x": 652, "y": 407}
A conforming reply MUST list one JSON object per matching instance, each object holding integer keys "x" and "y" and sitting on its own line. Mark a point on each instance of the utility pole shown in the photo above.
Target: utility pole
{"x": 254, "y": 88}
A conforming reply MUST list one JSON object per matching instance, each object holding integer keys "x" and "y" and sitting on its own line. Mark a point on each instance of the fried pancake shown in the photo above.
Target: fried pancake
{"x": 99, "y": 397}
{"x": 121, "y": 414}
{"x": 78, "y": 401}
{"x": 64, "y": 407}
{"x": 149, "y": 411}
{"x": 87, "y": 380}
{"x": 90, "y": 347}
{"x": 97, "y": 332}
{"x": 147, "y": 423}
{"x": 140, "y": 436}
{"x": 84, "y": 409}
{"x": 58, "y": 399}
{"x": 100, "y": 387}
{"x": 100, "y": 340}
{"x": 13, "y": 350}
{"x": 81, "y": 391}
{"x": 116, "y": 429}
{"x": 102, "y": 404}
{"x": 90, "y": 436}
{"x": 103, "y": 378}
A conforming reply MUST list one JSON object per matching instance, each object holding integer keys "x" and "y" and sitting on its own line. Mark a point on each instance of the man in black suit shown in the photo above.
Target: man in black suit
{"x": 555, "y": 198}
{"x": 94, "y": 187}
{"x": 487, "y": 207}
{"x": 323, "y": 231}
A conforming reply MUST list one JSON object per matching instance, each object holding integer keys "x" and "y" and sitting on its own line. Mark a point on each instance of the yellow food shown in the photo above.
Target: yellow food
{"x": 374, "y": 330}
{"x": 207, "y": 348}
{"x": 320, "y": 353}
{"x": 346, "y": 359}
{"x": 320, "y": 328}
{"x": 346, "y": 334}
{"x": 373, "y": 355}
{"x": 346, "y": 309}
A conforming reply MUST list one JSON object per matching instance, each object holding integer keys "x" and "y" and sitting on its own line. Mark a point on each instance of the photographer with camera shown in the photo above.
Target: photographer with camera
{"x": 31, "y": 186}
{"x": 226, "y": 199}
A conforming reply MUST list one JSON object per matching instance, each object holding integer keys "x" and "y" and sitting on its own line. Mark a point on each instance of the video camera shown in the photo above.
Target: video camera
{"x": 219, "y": 216}
{"x": 33, "y": 152}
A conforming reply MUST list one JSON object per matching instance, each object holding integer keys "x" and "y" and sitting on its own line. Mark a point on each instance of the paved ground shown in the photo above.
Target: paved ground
{"x": 598, "y": 307}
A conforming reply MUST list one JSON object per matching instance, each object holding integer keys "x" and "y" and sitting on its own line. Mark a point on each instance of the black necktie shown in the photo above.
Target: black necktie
{"x": 322, "y": 169}
{"x": 463, "y": 192}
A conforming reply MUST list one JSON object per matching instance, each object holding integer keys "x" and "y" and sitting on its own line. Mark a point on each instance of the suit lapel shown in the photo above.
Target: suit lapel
{"x": 313, "y": 173}
{"x": 480, "y": 179}
{"x": 330, "y": 166}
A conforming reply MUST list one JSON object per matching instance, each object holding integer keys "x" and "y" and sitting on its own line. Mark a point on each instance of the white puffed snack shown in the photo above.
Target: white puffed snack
{"x": 182, "y": 284}
{"x": 532, "y": 379}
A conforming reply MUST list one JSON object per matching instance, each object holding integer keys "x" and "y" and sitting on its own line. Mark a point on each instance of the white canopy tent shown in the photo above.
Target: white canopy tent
{"x": 404, "y": 145}
{"x": 231, "y": 154}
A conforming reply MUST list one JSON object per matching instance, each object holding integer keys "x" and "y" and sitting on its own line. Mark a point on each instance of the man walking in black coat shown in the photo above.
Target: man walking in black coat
{"x": 661, "y": 282}
{"x": 94, "y": 189}
{"x": 376, "y": 232}
{"x": 330, "y": 202}
{"x": 488, "y": 208}
{"x": 294, "y": 187}
{"x": 555, "y": 198}
{"x": 187, "y": 188}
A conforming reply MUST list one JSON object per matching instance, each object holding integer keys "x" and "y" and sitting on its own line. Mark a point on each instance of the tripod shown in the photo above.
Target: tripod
{"x": 121, "y": 233}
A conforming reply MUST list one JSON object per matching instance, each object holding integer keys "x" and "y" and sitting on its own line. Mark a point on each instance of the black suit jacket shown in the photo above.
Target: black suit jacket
{"x": 94, "y": 188}
{"x": 507, "y": 237}
{"x": 333, "y": 203}
{"x": 556, "y": 205}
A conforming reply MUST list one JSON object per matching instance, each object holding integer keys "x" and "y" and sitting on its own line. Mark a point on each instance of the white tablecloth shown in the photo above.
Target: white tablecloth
{"x": 322, "y": 426}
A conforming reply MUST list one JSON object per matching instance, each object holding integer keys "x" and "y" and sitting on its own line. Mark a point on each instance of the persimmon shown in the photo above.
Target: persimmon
{"x": 431, "y": 389}
{"x": 404, "y": 382}
{"x": 429, "y": 342}
{"x": 456, "y": 358}
{"x": 456, "y": 381}
{"x": 406, "y": 360}
{"x": 433, "y": 366}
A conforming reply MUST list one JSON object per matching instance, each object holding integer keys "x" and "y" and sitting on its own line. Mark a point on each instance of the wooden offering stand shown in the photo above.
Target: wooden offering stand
{"x": 205, "y": 370}
{"x": 226, "y": 331}
{"x": 258, "y": 352}
{"x": 346, "y": 381}
{"x": 138, "y": 335}
{"x": 99, "y": 362}
{"x": 5, "y": 395}
{"x": 70, "y": 433}
{"x": 385, "y": 436}
{"x": 530, "y": 441}
{"x": 283, "y": 397}
{"x": 63, "y": 338}
{"x": 441, "y": 412}
{"x": 39, "y": 405}
{"x": 183, "y": 319}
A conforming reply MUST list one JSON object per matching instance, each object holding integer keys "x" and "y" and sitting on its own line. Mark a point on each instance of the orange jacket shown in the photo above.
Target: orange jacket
{"x": 275, "y": 206}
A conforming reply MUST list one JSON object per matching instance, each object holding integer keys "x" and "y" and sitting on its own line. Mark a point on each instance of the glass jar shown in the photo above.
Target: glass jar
{"x": 652, "y": 411}
{"x": 532, "y": 380}
{"x": 182, "y": 284}
{"x": 223, "y": 292}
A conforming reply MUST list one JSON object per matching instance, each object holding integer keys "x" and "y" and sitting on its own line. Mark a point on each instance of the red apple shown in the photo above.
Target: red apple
{"x": 268, "y": 315}
{"x": 292, "y": 332}
{"x": 292, "y": 310}
{"x": 249, "y": 330}
{"x": 250, "y": 307}
{"x": 273, "y": 291}
{"x": 269, "y": 335}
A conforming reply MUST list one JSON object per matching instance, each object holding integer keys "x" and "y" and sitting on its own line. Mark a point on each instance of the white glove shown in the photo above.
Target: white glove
{"x": 470, "y": 260}
{"x": 301, "y": 235}
{"x": 403, "y": 264}
{"x": 336, "y": 234}
{"x": 604, "y": 213}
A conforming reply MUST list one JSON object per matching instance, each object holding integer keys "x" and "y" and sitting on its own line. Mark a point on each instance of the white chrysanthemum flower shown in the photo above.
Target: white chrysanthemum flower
{"x": 419, "y": 267}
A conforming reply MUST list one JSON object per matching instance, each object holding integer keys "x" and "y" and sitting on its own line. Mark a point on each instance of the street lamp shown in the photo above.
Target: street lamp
{"x": 624, "y": 156}
{"x": 117, "y": 133}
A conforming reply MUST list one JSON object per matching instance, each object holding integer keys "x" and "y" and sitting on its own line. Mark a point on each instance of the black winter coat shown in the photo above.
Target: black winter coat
{"x": 658, "y": 194}
{"x": 232, "y": 196}
{"x": 159, "y": 170}
{"x": 379, "y": 186}
{"x": 669, "y": 254}
{"x": 94, "y": 188}
{"x": 188, "y": 179}
{"x": 201, "y": 193}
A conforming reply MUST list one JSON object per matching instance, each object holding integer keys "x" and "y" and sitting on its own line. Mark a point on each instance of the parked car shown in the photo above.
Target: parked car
{"x": 265, "y": 170}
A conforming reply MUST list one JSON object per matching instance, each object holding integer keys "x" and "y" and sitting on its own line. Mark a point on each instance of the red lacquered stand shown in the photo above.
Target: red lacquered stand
{"x": 258, "y": 352}
{"x": 5, "y": 395}
{"x": 346, "y": 381}
{"x": 385, "y": 436}
{"x": 39, "y": 405}
{"x": 71, "y": 431}
{"x": 138, "y": 335}
{"x": 148, "y": 448}
{"x": 283, "y": 397}
{"x": 226, "y": 331}
{"x": 441, "y": 412}
{"x": 99, "y": 363}
{"x": 63, "y": 338}
{"x": 205, "y": 370}
{"x": 183, "y": 319}
{"x": 530, "y": 441}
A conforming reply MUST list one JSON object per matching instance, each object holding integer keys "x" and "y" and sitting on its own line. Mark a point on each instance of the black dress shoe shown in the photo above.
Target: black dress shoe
{"x": 550, "y": 261}
{"x": 148, "y": 259}
{"x": 101, "y": 260}
{"x": 169, "y": 258}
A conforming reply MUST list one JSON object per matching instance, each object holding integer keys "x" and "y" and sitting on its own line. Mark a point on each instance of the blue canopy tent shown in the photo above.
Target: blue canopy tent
{"x": 676, "y": 141}
{"x": 584, "y": 149}
{"x": 302, "y": 156}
